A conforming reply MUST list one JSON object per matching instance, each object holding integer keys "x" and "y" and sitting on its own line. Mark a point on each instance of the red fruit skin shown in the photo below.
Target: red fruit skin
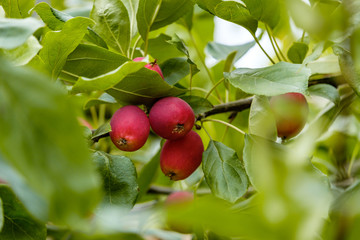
{"x": 181, "y": 197}
{"x": 171, "y": 118}
{"x": 290, "y": 111}
{"x": 180, "y": 158}
{"x": 152, "y": 66}
{"x": 138, "y": 59}
{"x": 130, "y": 128}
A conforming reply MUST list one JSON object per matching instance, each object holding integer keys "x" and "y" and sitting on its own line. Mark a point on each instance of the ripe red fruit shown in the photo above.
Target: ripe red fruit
{"x": 171, "y": 118}
{"x": 180, "y": 158}
{"x": 290, "y": 111}
{"x": 130, "y": 128}
{"x": 179, "y": 198}
{"x": 152, "y": 66}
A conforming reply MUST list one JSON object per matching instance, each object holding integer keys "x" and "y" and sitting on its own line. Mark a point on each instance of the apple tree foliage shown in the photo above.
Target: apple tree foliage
{"x": 65, "y": 62}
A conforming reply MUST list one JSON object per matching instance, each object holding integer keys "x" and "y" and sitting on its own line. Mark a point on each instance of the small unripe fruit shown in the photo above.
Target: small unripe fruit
{"x": 171, "y": 118}
{"x": 130, "y": 128}
{"x": 290, "y": 111}
{"x": 152, "y": 66}
{"x": 175, "y": 203}
{"x": 180, "y": 158}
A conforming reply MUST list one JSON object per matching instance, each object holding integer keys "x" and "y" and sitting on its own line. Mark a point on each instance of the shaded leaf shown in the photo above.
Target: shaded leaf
{"x": 145, "y": 16}
{"x": 148, "y": 174}
{"x": 221, "y": 52}
{"x": 297, "y": 52}
{"x": 103, "y": 99}
{"x": 15, "y": 32}
{"x": 103, "y": 130}
{"x": 175, "y": 69}
{"x": 326, "y": 91}
{"x": 267, "y": 11}
{"x": 270, "y": 81}
{"x": 198, "y": 104}
{"x": 224, "y": 172}
{"x": 161, "y": 50}
{"x": 119, "y": 179}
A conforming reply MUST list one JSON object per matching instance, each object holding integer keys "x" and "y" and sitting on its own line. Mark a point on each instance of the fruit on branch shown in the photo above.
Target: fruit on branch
{"x": 290, "y": 111}
{"x": 152, "y": 66}
{"x": 130, "y": 128}
{"x": 181, "y": 157}
{"x": 171, "y": 118}
{"x": 175, "y": 203}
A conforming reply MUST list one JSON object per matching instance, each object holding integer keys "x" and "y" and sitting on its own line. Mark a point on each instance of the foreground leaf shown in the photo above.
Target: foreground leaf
{"x": 18, "y": 223}
{"x": 224, "y": 172}
{"x": 270, "y": 81}
{"x": 119, "y": 179}
{"x": 41, "y": 143}
{"x": 326, "y": 91}
{"x": 297, "y": 52}
{"x": 17, "y": 8}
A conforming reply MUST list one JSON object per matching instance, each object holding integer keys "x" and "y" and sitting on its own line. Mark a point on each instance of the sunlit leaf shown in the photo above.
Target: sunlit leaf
{"x": 17, "y": 8}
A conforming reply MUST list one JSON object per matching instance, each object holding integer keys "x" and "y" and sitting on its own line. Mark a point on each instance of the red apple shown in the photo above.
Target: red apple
{"x": 152, "y": 66}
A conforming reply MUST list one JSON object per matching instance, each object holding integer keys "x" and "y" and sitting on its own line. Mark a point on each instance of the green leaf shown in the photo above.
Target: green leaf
{"x": 221, "y": 52}
{"x": 326, "y": 91}
{"x": 90, "y": 61}
{"x": 297, "y": 52}
{"x": 145, "y": 16}
{"x": 224, "y": 172}
{"x": 55, "y": 20}
{"x": 132, "y": 7}
{"x": 58, "y": 45}
{"x": 270, "y": 81}
{"x": 208, "y": 5}
{"x": 235, "y": 12}
{"x": 119, "y": 179}
{"x": 113, "y": 24}
{"x": 1, "y": 215}
{"x": 103, "y": 130}
{"x": 24, "y": 53}
{"x": 42, "y": 143}
{"x": 318, "y": 49}
{"x": 142, "y": 87}
{"x": 18, "y": 223}
{"x": 175, "y": 69}
{"x": 148, "y": 174}
{"x": 107, "y": 80}
{"x": 17, "y": 8}
{"x": 161, "y": 50}
{"x": 198, "y": 104}
{"x": 15, "y": 32}
{"x": 267, "y": 11}
{"x": 187, "y": 20}
{"x": 103, "y": 99}
{"x": 261, "y": 120}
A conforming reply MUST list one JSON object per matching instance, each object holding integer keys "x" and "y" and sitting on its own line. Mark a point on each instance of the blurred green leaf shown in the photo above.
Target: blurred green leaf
{"x": 198, "y": 104}
{"x": 42, "y": 144}
{"x": 175, "y": 69}
{"x": 235, "y": 12}
{"x": 58, "y": 4}
{"x": 208, "y": 5}
{"x": 24, "y": 53}
{"x": 15, "y": 32}
{"x": 103, "y": 99}
{"x": 1, "y": 215}
{"x": 58, "y": 45}
{"x": 326, "y": 91}
{"x": 325, "y": 65}
{"x": 270, "y": 81}
{"x": 297, "y": 52}
{"x": 113, "y": 24}
{"x": 148, "y": 174}
{"x": 119, "y": 179}
{"x": 267, "y": 11}
{"x": 90, "y": 61}
{"x": 224, "y": 172}
{"x": 17, "y": 8}
{"x": 221, "y": 52}
{"x": 187, "y": 19}
{"x": 18, "y": 223}
{"x": 118, "y": 236}
{"x": 261, "y": 121}
{"x": 108, "y": 80}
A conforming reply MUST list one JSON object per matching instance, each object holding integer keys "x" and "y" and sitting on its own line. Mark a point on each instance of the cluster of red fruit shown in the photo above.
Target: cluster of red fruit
{"x": 171, "y": 118}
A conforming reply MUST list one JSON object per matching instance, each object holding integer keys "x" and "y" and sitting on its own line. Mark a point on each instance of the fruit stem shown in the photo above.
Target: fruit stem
{"x": 272, "y": 43}
{"x": 276, "y": 44}
{"x": 134, "y": 47}
{"x": 258, "y": 43}
{"x": 225, "y": 123}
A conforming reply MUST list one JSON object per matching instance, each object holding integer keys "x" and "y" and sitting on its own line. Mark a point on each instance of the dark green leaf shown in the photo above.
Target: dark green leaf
{"x": 267, "y": 11}
{"x": 198, "y": 104}
{"x": 103, "y": 99}
{"x": 41, "y": 143}
{"x": 1, "y": 215}
{"x": 90, "y": 61}
{"x": 187, "y": 20}
{"x": 175, "y": 69}
{"x": 235, "y": 12}
{"x": 161, "y": 50}
{"x": 17, "y": 8}
{"x": 221, "y": 52}
{"x": 148, "y": 174}
{"x": 208, "y": 5}
{"x": 18, "y": 223}
{"x": 15, "y": 32}
{"x": 224, "y": 172}
{"x": 113, "y": 24}
{"x": 270, "y": 81}
{"x": 261, "y": 120}
{"x": 103, "y": 130}
{"x": 326, "y": 91}
{"x": 145, "y": 16}
{"x": 58, "y": 45}
{"x": 297, "y": 52}
{"x": 180, "y": 45}
{"x": 119, "y": 179}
